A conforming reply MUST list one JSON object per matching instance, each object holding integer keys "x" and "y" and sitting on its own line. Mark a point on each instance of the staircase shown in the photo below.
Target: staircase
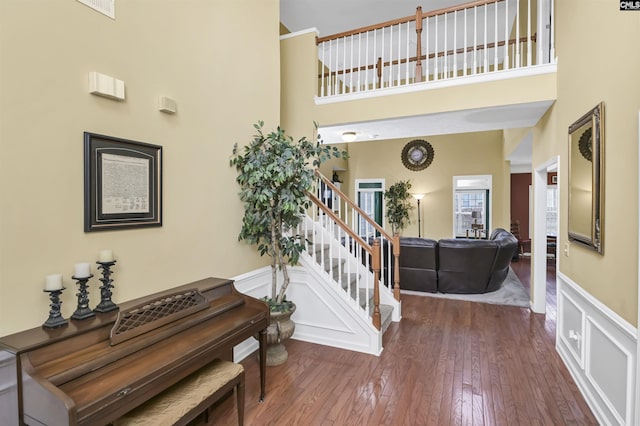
{"x": 334, "y": 267}
{"x": 345, "y": 293}
{"x": 348, "y": 293}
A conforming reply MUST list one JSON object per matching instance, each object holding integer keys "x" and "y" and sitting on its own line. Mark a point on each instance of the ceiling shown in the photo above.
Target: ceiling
{"x": 335, "y": 16}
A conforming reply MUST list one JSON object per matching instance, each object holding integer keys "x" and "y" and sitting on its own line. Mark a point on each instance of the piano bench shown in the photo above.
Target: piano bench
{"x": 190, "y": 397}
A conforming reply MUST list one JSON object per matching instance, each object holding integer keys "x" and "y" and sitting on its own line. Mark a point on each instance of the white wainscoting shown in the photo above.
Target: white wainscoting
{"x": 323, "y": 315}
{"x": 599, "y": 348}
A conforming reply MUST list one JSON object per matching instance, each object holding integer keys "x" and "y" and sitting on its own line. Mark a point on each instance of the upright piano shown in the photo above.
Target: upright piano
{"x": 92, "y": 371}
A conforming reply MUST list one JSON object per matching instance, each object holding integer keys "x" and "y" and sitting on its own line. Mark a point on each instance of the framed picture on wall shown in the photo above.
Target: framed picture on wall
{"x": 122, "y": 183}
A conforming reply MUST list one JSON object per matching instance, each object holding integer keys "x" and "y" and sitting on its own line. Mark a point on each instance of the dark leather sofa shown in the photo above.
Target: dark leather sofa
{"x": 456, "y": 265}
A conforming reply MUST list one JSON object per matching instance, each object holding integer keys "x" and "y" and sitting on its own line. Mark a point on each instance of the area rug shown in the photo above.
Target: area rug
{"x": 512, "y": 293}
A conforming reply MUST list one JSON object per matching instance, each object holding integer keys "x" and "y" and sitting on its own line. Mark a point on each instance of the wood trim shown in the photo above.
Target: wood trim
{"x": 430, "y": 56}
{"x": 406, "y": 19}
{"x": 351, "y": 204}
{"x": 336, "y": 219}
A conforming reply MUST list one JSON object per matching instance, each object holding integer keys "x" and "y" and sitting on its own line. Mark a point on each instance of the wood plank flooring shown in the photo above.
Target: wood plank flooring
{"x": 447, "y": 363}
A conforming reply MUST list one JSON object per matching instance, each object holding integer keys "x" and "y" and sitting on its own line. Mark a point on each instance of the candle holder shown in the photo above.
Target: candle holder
{"x": 55, "y": 317}
{"x": 106, "y": 305}
{"x": 83, "y": 311}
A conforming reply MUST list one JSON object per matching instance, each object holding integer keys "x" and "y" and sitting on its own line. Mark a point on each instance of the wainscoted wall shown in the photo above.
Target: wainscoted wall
{"x": 599, "y": 348}
{"x": 322, "y": 316}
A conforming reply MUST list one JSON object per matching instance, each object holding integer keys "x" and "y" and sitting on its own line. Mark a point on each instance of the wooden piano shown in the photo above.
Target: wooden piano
{"x": 92, "y": 371}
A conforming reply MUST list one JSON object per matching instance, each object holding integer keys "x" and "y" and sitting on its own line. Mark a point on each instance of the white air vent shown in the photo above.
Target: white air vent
{"x": 106, "y": 7}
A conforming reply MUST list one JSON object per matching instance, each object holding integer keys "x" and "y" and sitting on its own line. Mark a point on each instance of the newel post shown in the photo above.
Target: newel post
{"x": 418, "y": 76}
{"x": 379, "y": 72}
{"x": 396, "y": 266}
{"x": 375, "y": 265}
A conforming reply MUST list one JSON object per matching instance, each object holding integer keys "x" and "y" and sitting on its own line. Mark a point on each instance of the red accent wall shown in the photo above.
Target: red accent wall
{"x": 520, "y": 183}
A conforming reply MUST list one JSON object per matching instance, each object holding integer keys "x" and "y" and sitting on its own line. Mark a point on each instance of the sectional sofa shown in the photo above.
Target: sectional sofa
{"x": 456, "y": 265}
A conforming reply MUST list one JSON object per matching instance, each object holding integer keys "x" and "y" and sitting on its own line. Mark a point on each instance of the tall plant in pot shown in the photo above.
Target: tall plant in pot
{"x": 274, "y": 173}
{"x": 398, "y": 202}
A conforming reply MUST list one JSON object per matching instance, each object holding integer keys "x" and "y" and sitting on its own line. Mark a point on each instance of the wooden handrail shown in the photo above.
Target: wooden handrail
{"x": 336, "y": 219}
{"x": 430, "y": 56}
{"x": 351, "y": 204}
{"x": 373, "y": 251}
{"x": 406, "y": 19}
{"x": 395, "y": 240}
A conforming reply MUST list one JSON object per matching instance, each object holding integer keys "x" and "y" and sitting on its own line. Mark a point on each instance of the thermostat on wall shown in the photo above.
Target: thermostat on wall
{"x": 168, "y": 105}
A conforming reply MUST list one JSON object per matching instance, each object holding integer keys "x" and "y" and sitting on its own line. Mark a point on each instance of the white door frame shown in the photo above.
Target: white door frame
{"x": 636, "y": 411}
{"x": 539, "y": 238}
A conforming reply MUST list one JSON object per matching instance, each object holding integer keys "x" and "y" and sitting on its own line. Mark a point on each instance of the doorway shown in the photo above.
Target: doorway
{"x": 542, "y": 205}
{"x": 369, "y": 194}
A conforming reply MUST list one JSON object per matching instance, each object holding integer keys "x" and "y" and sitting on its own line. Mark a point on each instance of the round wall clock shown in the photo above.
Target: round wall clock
{"x": 417, "y": 155}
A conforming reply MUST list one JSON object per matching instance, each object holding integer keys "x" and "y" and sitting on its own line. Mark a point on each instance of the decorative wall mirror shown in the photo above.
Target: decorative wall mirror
{"x": 586, "y": 179}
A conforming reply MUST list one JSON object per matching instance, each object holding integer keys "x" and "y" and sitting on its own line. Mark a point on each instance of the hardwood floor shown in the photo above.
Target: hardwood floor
{"x": 447, "y": 363}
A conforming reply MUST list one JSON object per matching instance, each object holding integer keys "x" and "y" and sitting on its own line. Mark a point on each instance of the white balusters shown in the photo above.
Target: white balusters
{"x": 464, "y": 45}
{"x": 495, "y": 37}
{"x": 451, "y": 51}
{"x": 517, "y": 54}
{"x": 455, "y": 42}
{"x": 426, "y": 43}
{"x": 435, "y": 62}
{"x": 344, "y": 65}
{"x": 446, "y": 38}
{"x": 406, "y": 77}
{"x": 485, "y": 61}
{"x": 475, "y": 38}
{"x": 529, "y": 59}
{"x": 505, "y": 61}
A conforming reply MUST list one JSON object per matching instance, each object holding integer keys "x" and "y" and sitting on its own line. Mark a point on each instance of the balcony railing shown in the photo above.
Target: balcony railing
{"x": 480, "y": 37}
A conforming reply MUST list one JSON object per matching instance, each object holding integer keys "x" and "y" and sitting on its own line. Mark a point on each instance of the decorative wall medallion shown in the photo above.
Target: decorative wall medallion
{"x": 417, "y": 155}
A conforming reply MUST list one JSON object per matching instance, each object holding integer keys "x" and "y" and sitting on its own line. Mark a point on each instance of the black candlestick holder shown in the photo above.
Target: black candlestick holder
{"x": 83, "y": 311}
{"x": 106, "y": 305}
{"x": 55, "y": 317}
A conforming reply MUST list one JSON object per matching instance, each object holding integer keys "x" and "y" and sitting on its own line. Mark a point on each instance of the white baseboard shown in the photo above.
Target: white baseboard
{"x": 599, "y": 349}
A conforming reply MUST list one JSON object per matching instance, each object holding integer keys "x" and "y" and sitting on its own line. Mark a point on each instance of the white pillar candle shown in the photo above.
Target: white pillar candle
{"x": 53, "y": 282}
{"x": 105, "y": 256}
{"x": 82, "y": 270}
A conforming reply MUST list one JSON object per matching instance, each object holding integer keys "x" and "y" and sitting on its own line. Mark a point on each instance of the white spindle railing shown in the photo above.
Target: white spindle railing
{"x": 479, "y": 37}
{"x": 359, "y": 263}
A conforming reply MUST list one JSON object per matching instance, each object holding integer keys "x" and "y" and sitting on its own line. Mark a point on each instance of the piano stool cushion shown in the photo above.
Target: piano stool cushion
{"x": 190, "y": 397}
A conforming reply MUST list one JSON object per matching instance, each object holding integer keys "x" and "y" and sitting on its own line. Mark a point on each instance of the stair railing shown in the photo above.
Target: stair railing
{"x": 358, "y": 222}
{"x": 479, "y": 37}
{"x": 346, "y": 256}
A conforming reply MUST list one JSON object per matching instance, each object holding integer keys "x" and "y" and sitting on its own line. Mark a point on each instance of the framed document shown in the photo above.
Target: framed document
{"x": 122, "y": 183}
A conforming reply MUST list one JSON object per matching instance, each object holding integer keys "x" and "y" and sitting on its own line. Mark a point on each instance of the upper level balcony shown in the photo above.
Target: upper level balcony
{"x": 484, "y": 65}
{"x": 474, "y": 39}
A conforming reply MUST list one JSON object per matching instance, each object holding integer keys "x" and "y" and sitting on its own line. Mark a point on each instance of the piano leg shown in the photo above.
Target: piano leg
{"x": 263, "y": 362}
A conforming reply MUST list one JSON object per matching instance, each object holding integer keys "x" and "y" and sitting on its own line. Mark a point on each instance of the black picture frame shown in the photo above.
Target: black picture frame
{"x": 122, "y": 183}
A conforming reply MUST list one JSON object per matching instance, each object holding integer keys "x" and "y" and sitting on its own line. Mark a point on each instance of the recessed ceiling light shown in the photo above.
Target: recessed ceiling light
{"x": 349, "y": 136}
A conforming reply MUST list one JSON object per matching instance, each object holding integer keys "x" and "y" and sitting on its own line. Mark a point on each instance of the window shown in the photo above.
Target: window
{"x": 471, "y": 206}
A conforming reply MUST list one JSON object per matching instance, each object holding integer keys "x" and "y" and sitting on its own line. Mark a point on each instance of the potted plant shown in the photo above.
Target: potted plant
{"x": 275, "y": 173}
{"x": 398, "y": 201}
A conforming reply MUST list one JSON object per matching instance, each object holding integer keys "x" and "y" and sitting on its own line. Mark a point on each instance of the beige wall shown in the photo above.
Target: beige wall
{"x": 180, "y": 49}
{"x": 599, "y": 66}
{"x": 462, "y": 154}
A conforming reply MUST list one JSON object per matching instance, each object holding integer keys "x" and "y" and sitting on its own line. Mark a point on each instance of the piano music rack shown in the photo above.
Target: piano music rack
{"x": 152, "y": 314}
